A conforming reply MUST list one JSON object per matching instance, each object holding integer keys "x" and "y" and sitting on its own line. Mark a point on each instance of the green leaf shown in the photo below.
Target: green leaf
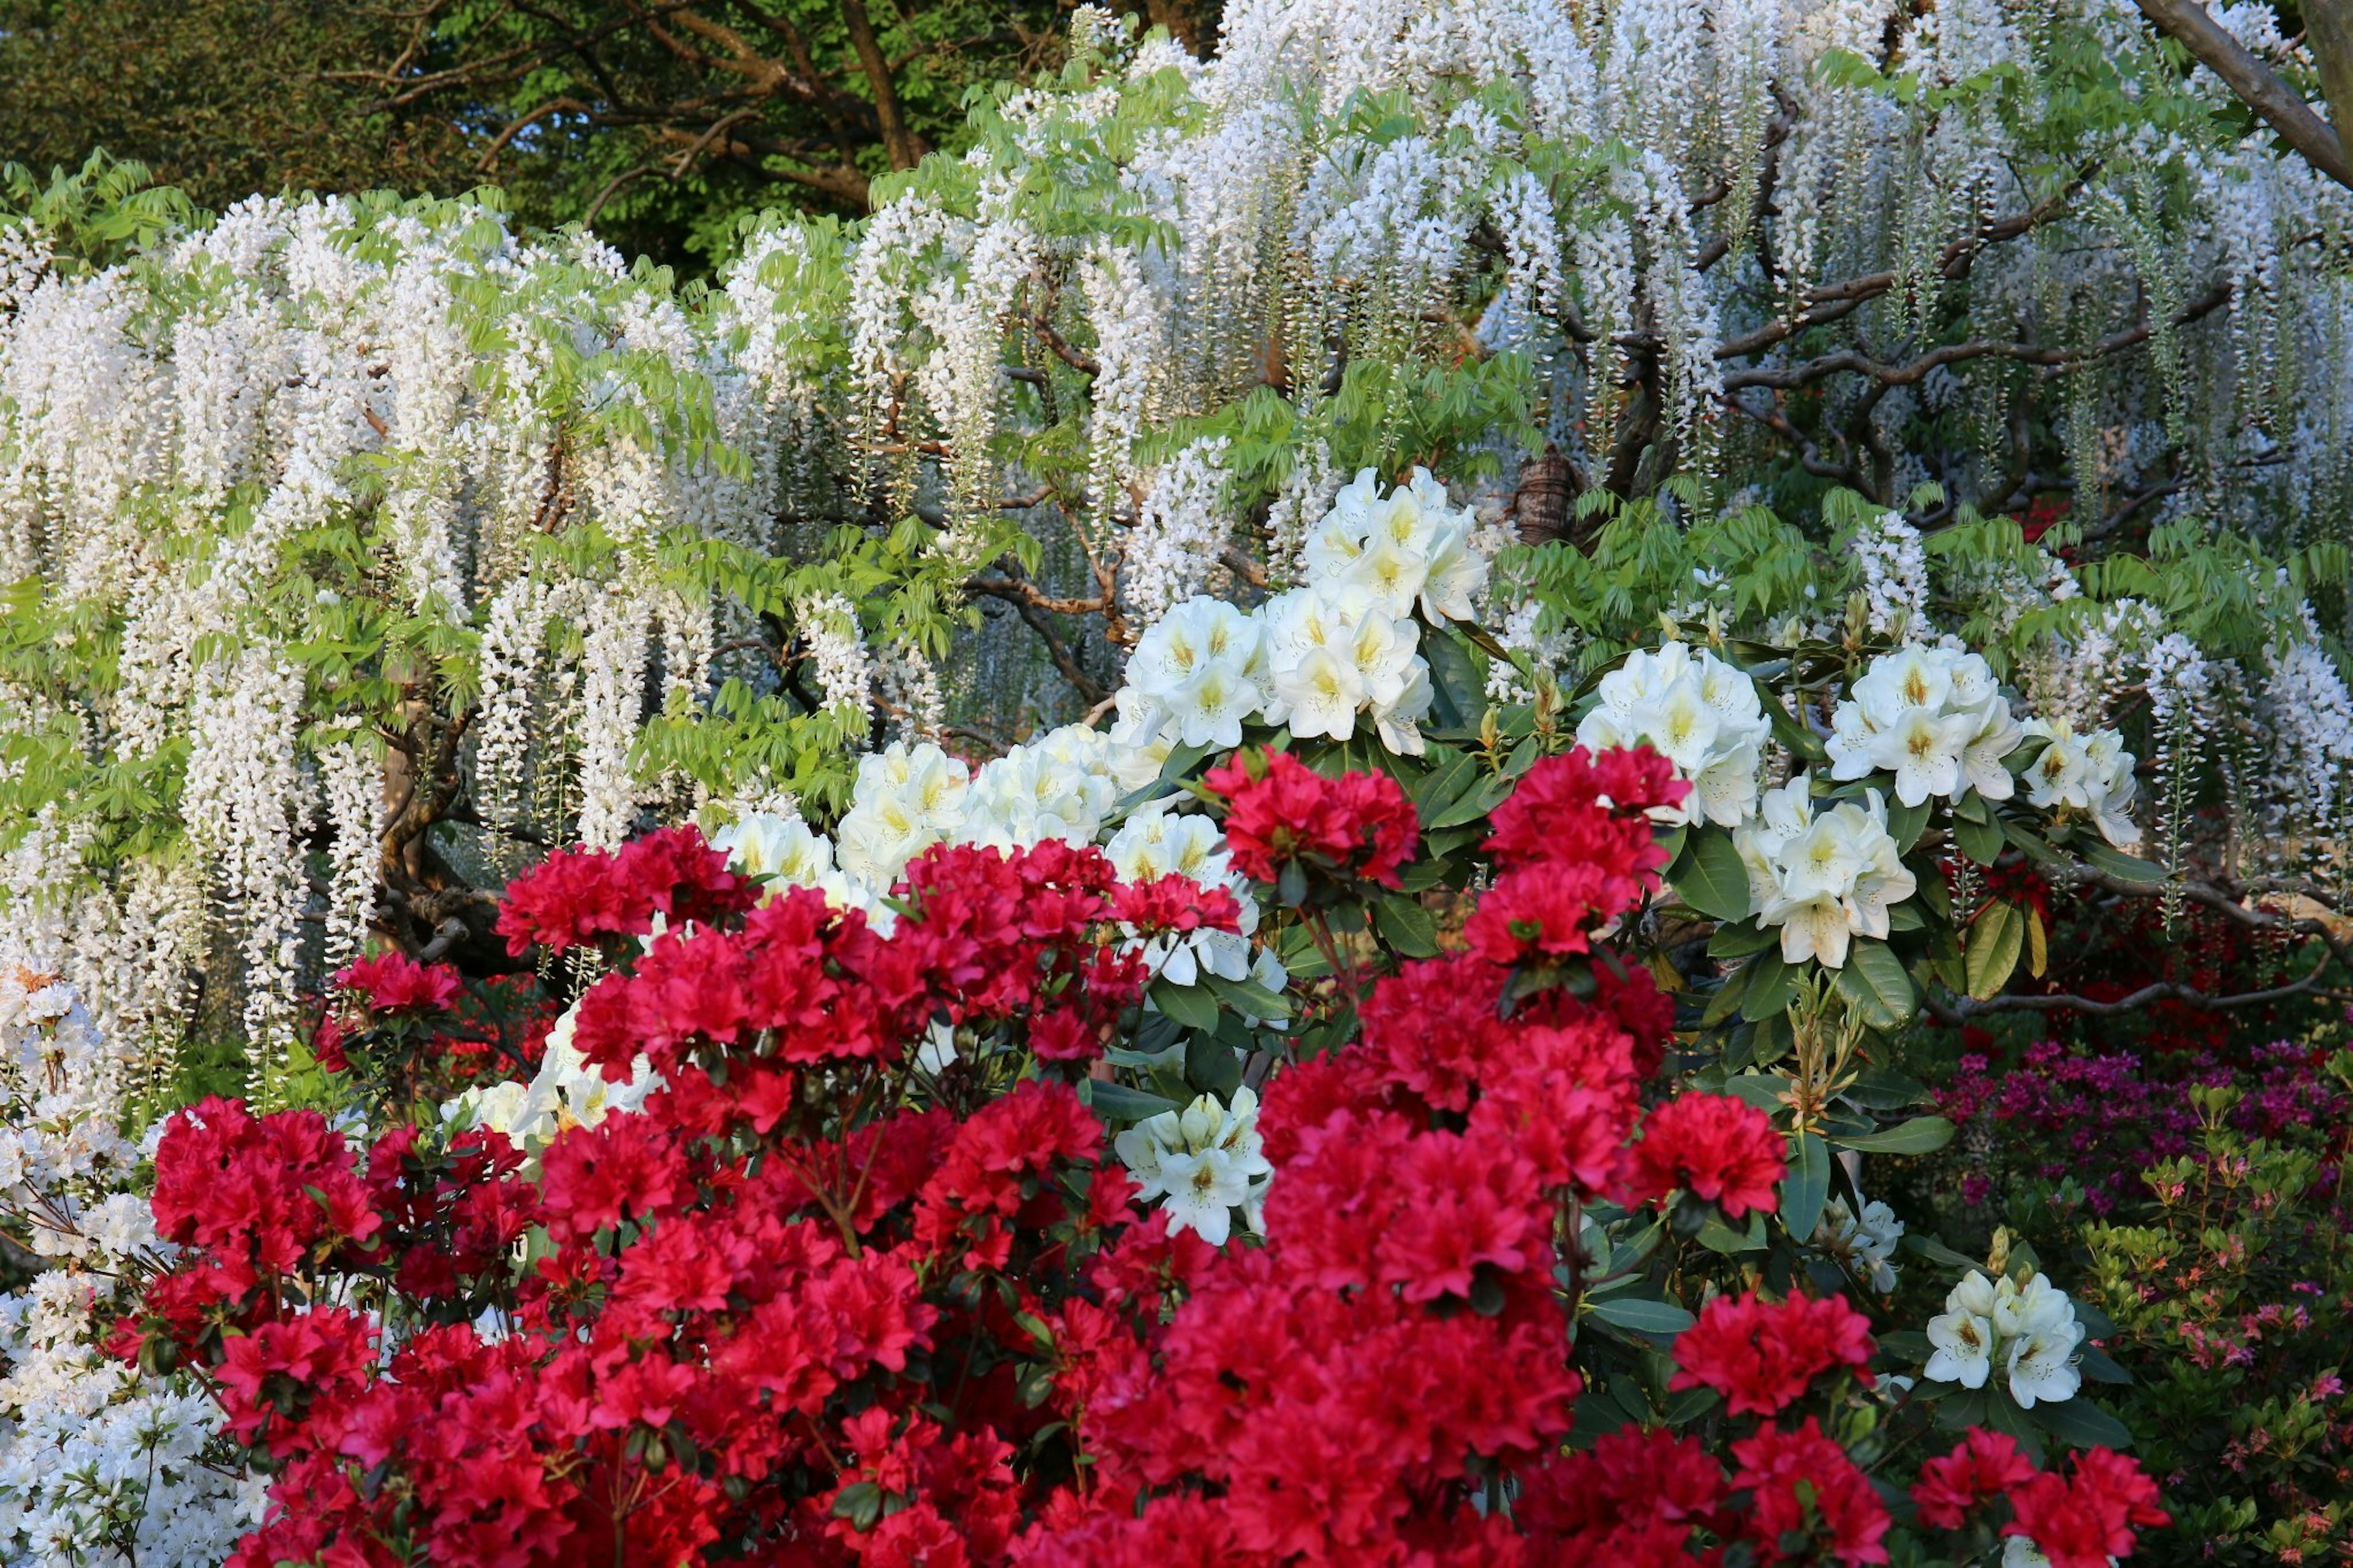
{"x": 1247, "y": 998}
{"x": 1474, "y": 804}
{"x": 1741, "y": 940}
{"x": 1995, "y": 941}
{"x": 1190, "y": 1005}
{"x": 1801, "y": 741}
{"x": 1874, "y": 980}
{"x": 1907, "y": 823}
{"x": 1805, "y": 1186}
{"x": 2118, "y": 864}
{"x": 1921, "y": 1135}
{"x": 1709, "y": 877}
{"x": 1770, "y": 984}
{"x": 1980, "y": 841}
{"x": 1762, "y": 1089}
{"x": 2100, "y": 1366}
{"x": 1660, "y": 1318}
{"x": 1406, "y": 926}
{"x": 1117, "y": 1102}
{"x": 2079, "y": 1423}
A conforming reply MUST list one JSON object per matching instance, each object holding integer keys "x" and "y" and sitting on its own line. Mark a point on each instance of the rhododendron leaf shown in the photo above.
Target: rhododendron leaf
{"x": 2038, "y": 944}
{"x": 1119, "y": 1102}
{"x": 1882, "y": 1088}
{"x": 1741, "y": 939}
{"x": 1474, "y": 804}
{"x": 2100, "y": 1366}
{"x": 1907, "y": 916}
{"x": 1291, "y": 884}
{"x": 1995, "y": 939}
{"x": 1907, "y": 1345}
{"x": 1444, "y": 785}
{"x": 1249, "y": 997}
{"x": 1663, "y": 1319}
{"x": 1708, "y": 876}
{"x": 1190, "y": 1005}
{"x": 1688, "y": 1407}
{"x": 1807, "y": 1185}
{"x": 1725, "y": 1002}
{"x": 1921, "y": 1135}
{"x": 1907, "y": 823}
{"x": 1457, "y": 686}
{"x": 2004, "y": 1416}
{"x": 1979, "y": 838}
{"x": 1210, "y": 1064}
{"x": 1764, "y": 1090}
{"x": 1719, "y": 1236}
{"x": 2116, "y": 863}
{"x": 1800, "y": 740}
{"x": 1876, "y": 982}
{"x": 1770, "y": 983}
{"x": 1406, "y": 926}
{"x": 1936, "y": 1252}
{"x": 2097, "y": 1322}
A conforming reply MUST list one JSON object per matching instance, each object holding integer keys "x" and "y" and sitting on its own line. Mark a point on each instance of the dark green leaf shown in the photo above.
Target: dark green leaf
{"x": 1874, "y": 980}
{"x": 1770, "y": 984}
{"x": 1406, "y": 926}
{"x": 1190, "y": 1005}
{"x": 1907, "y": 823}
{"x": 1118, "y": 1102}
{"x": 2079, "y": 1423}
{"x": 2118, "y": 864}
{"x": 1662, "y": 1318}
{"x": 1995, "y": 941}
{"x": 1741, "y": 940}
{"x": 1708, "y": 876}
{"x": 1921, "y": 1135}
{"x": 1805, "y": 1186}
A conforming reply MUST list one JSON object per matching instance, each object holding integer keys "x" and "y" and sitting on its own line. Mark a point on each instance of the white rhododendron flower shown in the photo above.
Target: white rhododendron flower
{"x": 569, "y": 1090}
{"x": 2029, "y": 1332}
{"x": 1060, "y": 786}
{"x": 1824, "y": 879}
{"x": 1203, "y": 1162}
{"x": 1934, "y": 718}
{"x": 907, "y": 798}
{"x": 1700, "y": 713}
{"x": 1155, "y": 843}
{"x": 1866, "y": 1242}
{"x": 2091, "y": 773}
{"x": 771, "y": 847}
{"x": 1201, "y": 670}
{"x": 1411, "y": 546}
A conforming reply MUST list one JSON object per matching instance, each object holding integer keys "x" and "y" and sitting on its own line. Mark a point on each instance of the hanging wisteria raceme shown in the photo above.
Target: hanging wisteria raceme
{"x": 1820, "y": 298}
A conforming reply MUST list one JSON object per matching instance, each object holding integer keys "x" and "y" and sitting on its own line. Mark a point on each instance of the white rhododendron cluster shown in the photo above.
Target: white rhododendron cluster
{"x": 1825, "y": 873}
{"x": 1700, "y": 713}
{"x": 568, "y": 1090}
{"x": 1865, "y": 1241}
{"x": 1933, "y": 716}
{"x": 1201, "y": 1164}
{"x": 1340, "y": 650}
{"x": 98, "y": 1461}
{"x": 2091, "y": 773}
{"x": 2026, "y": 1333}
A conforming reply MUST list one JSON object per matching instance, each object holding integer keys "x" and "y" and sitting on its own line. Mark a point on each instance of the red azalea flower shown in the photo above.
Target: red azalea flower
{"x": 1762, "y": 1356}
{"x": 1712, "y": 1146}
{"x": 2082, "y": 1521}
{"x": 1280, "y": 812}
{"x": 393, "y": 982}
{"x": 1806, "y": 1490}
{"x": 1982, "y": 1465}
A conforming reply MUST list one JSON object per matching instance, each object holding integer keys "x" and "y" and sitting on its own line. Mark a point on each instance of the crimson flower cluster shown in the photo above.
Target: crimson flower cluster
{"x": 588, "y": 895}
{"x": 2078, "y": 1520}
{"x": 1573, "y": 849}
{"x": 815, "y": 1306}
{"x": 1306, "y": 833}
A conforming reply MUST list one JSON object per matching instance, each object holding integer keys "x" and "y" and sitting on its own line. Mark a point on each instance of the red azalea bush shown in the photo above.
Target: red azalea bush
{"x": 813, "y": 1306}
